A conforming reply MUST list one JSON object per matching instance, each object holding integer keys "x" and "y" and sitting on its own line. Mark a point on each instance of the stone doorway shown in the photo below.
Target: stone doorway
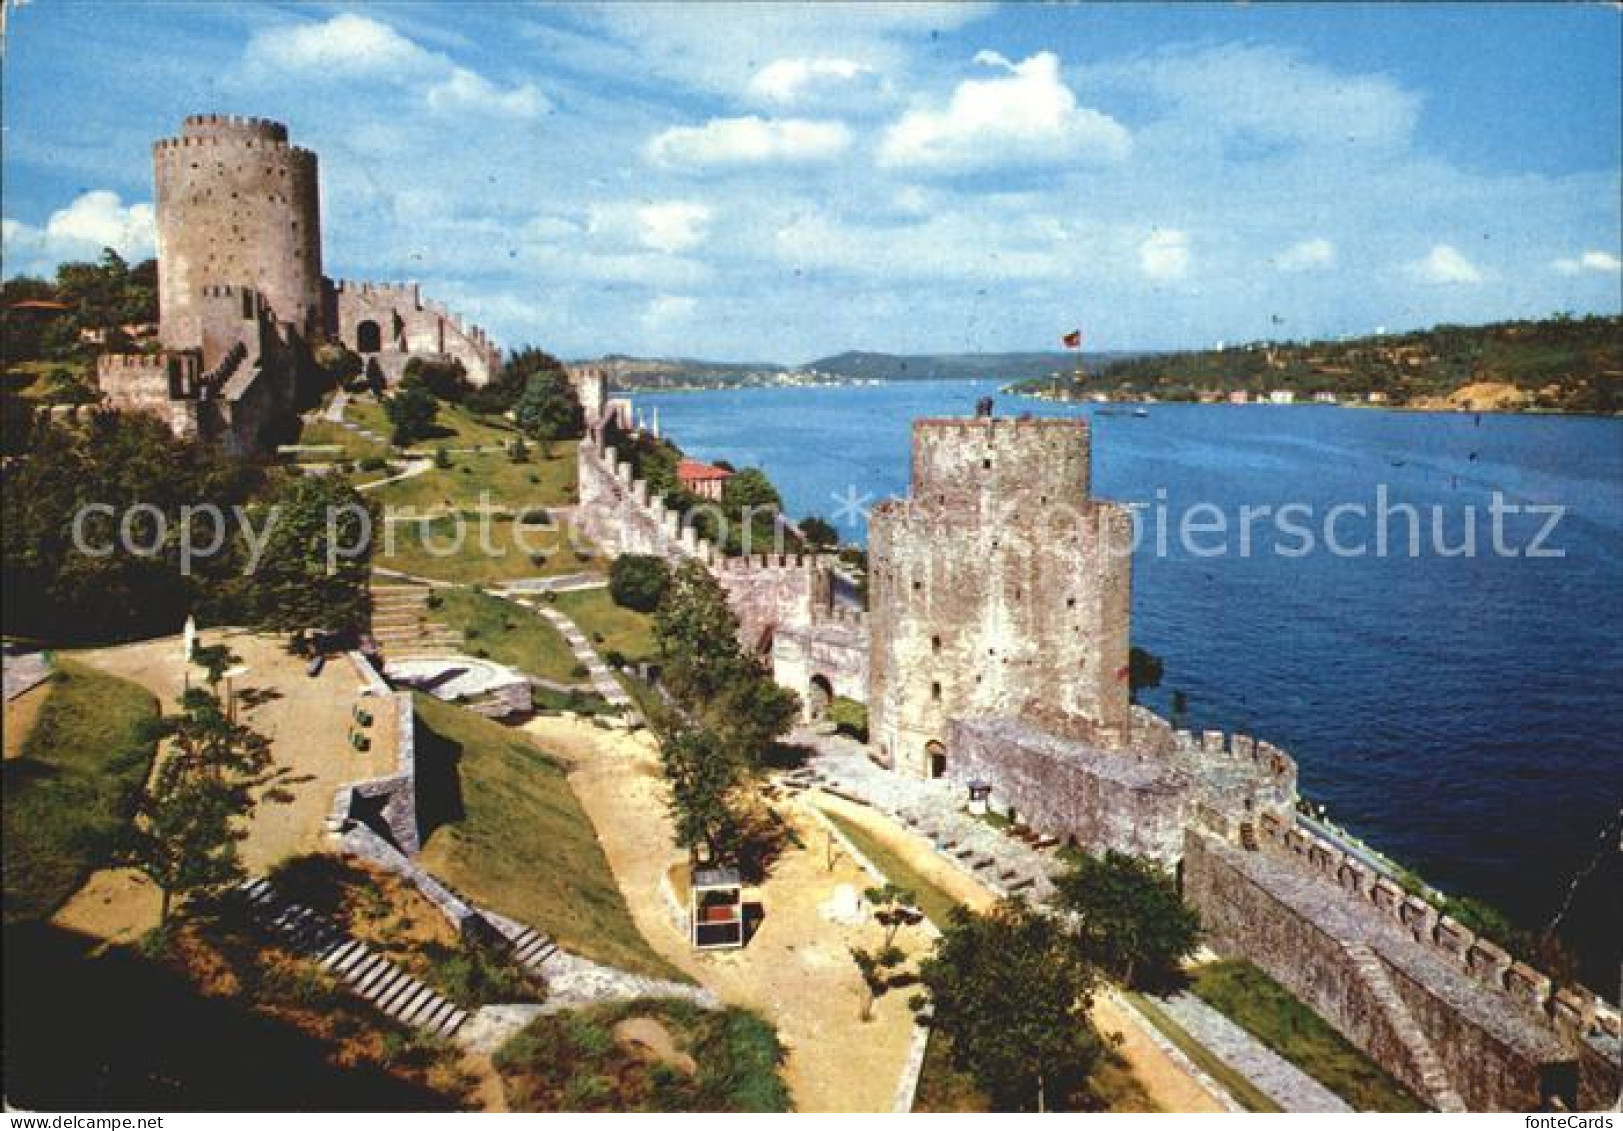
{"x": 819, "y": 699}
{"x": 935, "y": 758}
{"x": 368, "y": 338}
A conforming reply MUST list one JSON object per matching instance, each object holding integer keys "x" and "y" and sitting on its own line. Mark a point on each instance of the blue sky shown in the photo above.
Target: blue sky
{"x": 777, "y": 182}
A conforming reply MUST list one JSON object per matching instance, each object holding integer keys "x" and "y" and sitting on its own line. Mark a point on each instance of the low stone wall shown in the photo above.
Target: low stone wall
{"x": 830, "y": 651}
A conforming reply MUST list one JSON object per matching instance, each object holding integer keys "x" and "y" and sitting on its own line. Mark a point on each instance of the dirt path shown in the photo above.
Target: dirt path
{"x": 20, "y": 715}
{"x": 1172, "y": 1088}
{"x": 308, "y": 722}
{"x": 797, "y": 970}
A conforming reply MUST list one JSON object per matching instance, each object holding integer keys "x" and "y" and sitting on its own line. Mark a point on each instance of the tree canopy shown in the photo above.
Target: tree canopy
{"x": 639, "y": 581}
{"x": 1011, "y": 993}
{"x": 1130, "y": 919}
{"x": 411, "y": 410}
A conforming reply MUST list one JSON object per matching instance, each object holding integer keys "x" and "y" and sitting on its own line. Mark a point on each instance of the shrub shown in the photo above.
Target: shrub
{"x": 579, "y": 671}
{"x": 638, "y": 581}
{"x": 534, "y": 516}
{"x": 442, "y": 458}
{"x": 373, "y": 463}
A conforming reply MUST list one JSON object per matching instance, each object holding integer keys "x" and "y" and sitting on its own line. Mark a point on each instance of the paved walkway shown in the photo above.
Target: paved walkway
{"x": 23, "y": 671}
{"x": 1284, "y": 1083}
{"x": 603, "y": 680}
{"x": 841, "y": 766}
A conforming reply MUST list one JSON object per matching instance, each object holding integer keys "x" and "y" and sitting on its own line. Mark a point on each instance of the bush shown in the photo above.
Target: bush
{"x": 579, "y": 671}
{"x": 442, "y": 458}
{"x": 639, "y": 581}
{"x": 534, "y": 516}
{"x": 372, "y": 463}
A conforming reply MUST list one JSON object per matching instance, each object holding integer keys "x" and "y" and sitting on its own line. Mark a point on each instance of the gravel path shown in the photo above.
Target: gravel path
{"x": 602, "y": 679}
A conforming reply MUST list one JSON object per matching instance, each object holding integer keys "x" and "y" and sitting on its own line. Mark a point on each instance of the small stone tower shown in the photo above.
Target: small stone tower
{"x": 237, "y": 207}
{"x": 998, "y": 587}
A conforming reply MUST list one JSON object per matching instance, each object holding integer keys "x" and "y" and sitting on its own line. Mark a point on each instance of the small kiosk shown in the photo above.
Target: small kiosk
{"x": 980, "y": 791}
{"x": 717, "y": 908}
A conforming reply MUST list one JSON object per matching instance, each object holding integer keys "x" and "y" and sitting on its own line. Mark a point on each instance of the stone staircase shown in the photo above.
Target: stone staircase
{"x": 532, "y": 949}
{"x": 365, "y": 973}
{"x": 402, "y": 627}
{"x": 1438, "y": 1090}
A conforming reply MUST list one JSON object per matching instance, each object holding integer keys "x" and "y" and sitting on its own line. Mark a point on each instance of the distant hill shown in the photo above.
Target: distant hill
{"x": 1560, "y": 364}
{"x": 860, "y": 365}
{"x": 683, "y": 372}
{"x": 651, "y": 373}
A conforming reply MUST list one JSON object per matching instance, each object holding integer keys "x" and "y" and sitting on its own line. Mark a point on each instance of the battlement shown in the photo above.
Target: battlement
{"x": 298, "y": 153}
{"x": 1571, "y": 1010}
{"x": 965, "y": 461}
{"x": 1263, "y": 755}
{"x": 233, "y": 126}
{"x": 766, "y": 563}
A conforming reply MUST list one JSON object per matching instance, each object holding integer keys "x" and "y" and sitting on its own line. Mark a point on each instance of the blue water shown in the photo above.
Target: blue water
{"x": 1463, "y": 714}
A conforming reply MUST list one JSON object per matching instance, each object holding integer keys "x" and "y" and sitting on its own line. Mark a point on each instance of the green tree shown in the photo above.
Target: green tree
{"x": 316, "y": 566}
{"x": 893, "y": 908}
{"x": 704, "y": 783}
{"x": 189, "y": 821}
{"x": 338, "y": 363}
{"x": 1130, "y": 920}
{"x": 411, "y": 410}
{"x": 819, "y": 533}
{"x": 1144, "y": 671}
{"x": 639, "y": 581}
{"x": 215, "y": 660}
{"x": 103, "y": 586}
{"x": 548, "y": 410}
{"x": 750, "y": 488}
{"x": 447, "y": 380}
{"x": 503, "y": 392}
{"x": 1011, "y": 993}
{"x": 881, "y": 972}
{"x": 697, "y": 636}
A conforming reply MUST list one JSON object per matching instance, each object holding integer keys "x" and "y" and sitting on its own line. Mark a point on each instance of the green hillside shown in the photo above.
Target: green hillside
{"x": 1560, "y": 364}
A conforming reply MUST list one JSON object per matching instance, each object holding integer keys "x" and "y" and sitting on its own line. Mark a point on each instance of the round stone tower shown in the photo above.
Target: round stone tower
{"x": 237, "y": 207}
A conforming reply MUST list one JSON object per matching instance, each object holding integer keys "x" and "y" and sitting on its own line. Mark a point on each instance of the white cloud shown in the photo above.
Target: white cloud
{"x": 347, "y": 43}
{"x": 750, "y": 140}
{"x": 1445, "y": 264}
{"x": 94, "y": 220}
{"x": 1308, "y": 255}
{"x": 1600, "y": 261}
{"x": 673, "y": 225}
{"x": 666, "y": 311}
{"x": 1271, "y": 94}
{"x": 784, "y": 81}
{"x": 1164, "y": 254}
{"x": 351, "y": 46}
{"x": 1026, "y": 117}
{"x": 466, "y": 91}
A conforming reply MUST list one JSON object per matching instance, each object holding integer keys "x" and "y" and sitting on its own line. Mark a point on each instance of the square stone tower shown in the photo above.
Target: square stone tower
{"x": 997, "y": 587}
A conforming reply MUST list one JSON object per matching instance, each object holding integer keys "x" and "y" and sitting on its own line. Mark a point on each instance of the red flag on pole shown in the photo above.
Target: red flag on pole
{"x": 1073, "y": 340}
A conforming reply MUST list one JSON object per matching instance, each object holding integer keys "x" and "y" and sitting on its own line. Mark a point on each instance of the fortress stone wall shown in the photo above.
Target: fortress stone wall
{"x": 390, "y": 323}
{"x": 1453, "y": 1016}
{"x": 998, "y": 587}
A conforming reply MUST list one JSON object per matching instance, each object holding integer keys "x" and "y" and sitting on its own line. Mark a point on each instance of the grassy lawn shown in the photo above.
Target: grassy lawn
{"x": 1269, "y": 1012}
{"x": 942, "y": 1088}
{"x": 515, "y": 549}
{"x": 724, "y": 1061}
{"x": 517, "y": 840}
{"x": 514, "y": 486}
{"x": 325, "y": 432}
{"x": 454, "y": 427}
{"x": 73, "y": 786}
{"x": 507, "y": 634}
{"x": 622, "y": 630}
{"x": 850, "y": 716}
{"x": 936, "y": 904}
{"x": 1237, "y": 1085}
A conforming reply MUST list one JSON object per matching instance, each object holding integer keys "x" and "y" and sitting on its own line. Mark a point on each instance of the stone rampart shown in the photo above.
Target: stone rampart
{"x": 391, "y": 323}
{"x": 1298, "y": 904}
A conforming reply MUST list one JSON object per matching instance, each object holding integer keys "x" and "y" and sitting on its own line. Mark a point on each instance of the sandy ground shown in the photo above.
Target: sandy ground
{"x": 797, "y": 970}
{"x": 1172, "y": 1088}
{"x": 20, "y": 714}
{"x": 308, "y": 722}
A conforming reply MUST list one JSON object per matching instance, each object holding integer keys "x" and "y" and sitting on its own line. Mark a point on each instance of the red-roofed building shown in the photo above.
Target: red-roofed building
{"x": 703, "y": 479}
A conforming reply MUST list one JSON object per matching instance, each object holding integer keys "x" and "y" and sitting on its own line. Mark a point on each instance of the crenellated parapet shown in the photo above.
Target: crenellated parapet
{"x": 1571, "y": 1011}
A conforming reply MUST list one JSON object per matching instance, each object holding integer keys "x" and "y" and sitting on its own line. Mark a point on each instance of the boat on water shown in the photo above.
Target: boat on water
{"x": 1138, "y": 412}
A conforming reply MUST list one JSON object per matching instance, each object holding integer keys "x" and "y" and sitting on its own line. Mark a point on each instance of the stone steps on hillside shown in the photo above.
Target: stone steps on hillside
{"x": 1439, "y": 1091}
{"x": 364, "y": 972}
